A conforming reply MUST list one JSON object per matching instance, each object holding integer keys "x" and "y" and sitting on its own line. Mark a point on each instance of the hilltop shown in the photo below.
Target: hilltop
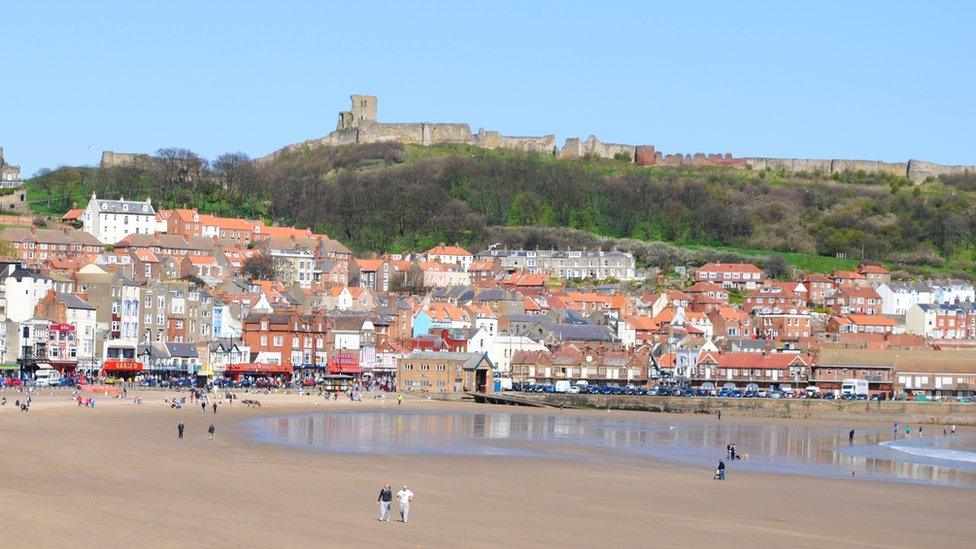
{"x": 395, "y": 197}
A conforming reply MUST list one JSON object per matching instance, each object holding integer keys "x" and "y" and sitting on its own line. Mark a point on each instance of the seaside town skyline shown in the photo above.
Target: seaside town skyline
{"x": 632, "y": 274}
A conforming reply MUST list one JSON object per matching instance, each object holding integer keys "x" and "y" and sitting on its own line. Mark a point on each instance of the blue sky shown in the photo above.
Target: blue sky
{"x": 870, "y": 80}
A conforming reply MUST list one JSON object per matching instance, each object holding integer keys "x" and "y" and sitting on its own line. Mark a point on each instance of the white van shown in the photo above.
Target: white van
{"x": 563, "y": 386}
{"x": 47, "y": 377}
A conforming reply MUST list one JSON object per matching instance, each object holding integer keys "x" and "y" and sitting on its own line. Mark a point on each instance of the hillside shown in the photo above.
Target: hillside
{"x": 389, "y": 197}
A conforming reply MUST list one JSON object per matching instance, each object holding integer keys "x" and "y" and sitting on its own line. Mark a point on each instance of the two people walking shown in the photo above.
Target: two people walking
{"x": 385, "y": 499}
{"x": 181, "y": 428}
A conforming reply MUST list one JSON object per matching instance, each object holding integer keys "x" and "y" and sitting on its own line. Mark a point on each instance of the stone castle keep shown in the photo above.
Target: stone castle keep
{"x": 360, "y": 125}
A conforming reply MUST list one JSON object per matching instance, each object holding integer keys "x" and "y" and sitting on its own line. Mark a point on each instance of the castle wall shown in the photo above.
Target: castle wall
{"x": 545, "y": 144}
{"x": 594, "y": 146}
{"x": 437, "y": 134}
{"x": 791, "y": 164}
{"x": 487, "y": 139}
{"x": 376, "y": 132}
{"x": 572, "y": 149}
{"x": 359, "y": 125}
{"x": 869, "y": 166}
{"x": 918, "y": 170}
{"x": 111, "y": 159}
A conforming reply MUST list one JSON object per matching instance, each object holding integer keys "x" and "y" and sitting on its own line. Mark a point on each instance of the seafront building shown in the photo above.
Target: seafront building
{"x": 170, "y": 297}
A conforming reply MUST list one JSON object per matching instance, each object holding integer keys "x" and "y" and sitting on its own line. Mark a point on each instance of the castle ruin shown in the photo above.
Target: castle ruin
{"x": 360, "y": 125}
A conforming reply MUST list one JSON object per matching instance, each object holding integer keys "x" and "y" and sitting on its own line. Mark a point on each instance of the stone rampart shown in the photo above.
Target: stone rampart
{"x": 447, "y": 134}
{"x": 111, "y": 159}
{"x": 918, "y": 170}
{"x": 790, "y": 164}
{"x": 544, "y": 145}
{"x": 870, "y": 166}
{"x": 376, "y": 132}
{"x": 359, "y": 125}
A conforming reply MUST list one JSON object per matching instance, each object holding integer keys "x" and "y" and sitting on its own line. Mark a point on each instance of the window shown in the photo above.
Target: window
{"x": 160, "y": 320}
{"x": 264, "y": 341}
{"x": 279, "y": 341}
{"x": 264, "y": 325}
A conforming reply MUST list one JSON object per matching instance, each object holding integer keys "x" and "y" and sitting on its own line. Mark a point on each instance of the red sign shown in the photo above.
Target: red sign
{"x": 122, "y": 365}
{"x": 344, "y": 363}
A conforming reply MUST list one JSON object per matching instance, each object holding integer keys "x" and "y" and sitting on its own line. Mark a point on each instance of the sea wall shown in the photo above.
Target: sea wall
{"x": 885, "y": 411}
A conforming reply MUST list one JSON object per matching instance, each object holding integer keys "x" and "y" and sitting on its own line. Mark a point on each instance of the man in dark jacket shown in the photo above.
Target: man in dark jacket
{"x": 720, "y": 471}
{"x": 385, "y": 499}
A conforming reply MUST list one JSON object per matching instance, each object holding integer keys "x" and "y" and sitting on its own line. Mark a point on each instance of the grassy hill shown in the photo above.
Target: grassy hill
{"x": 388, "y": 197}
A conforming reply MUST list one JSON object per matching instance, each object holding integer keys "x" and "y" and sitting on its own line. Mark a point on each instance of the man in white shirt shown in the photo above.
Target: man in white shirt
{"x": 404, "y": 496}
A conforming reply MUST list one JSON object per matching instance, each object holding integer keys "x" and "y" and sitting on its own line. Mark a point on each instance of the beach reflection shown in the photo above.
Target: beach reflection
{"x": 774, "y": 447}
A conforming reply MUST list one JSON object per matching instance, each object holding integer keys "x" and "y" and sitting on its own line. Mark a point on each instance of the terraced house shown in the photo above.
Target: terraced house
{"x": 566, "y": 264}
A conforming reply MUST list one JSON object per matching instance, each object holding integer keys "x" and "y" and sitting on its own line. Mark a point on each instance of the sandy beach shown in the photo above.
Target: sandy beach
{"x": 116, "y": 475}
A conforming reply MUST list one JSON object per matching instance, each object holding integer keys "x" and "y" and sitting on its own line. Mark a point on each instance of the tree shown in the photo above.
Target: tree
{"x": 776, "y": 267}
{"x": 235, "y": 172}
{"x": 259, "y": 267}
{"x": 411, "y": 281}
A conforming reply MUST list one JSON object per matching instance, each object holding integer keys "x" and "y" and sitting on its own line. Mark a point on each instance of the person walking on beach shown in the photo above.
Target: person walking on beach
{"x": 203, "y": 407}
{"x": 399, "y": 400}
{"x": 404, "y": 496}
{"x": 720, "y": 415}
{"x": 179, "y": 429}
{"x": 728, "y": 450}
{"x": 385, "y": 499}
{"x": 908, "y": 431}
{"x": 211, "y": 430}
{"x": 952, "y": 430}
{"x": 215, "y": 406}
{"x": 850, "y": 438}
{"x": 919, "y": 431}
{"x": 896, "y": 430}
{"x": 720, "y": 470}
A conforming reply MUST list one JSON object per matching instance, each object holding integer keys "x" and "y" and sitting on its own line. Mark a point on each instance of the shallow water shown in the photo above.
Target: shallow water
{"x": 783, "y": 448}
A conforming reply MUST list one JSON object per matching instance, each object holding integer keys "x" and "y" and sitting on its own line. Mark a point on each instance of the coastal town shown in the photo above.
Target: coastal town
{"x": 507, "y": 274}
{"x": 122, "y": 291}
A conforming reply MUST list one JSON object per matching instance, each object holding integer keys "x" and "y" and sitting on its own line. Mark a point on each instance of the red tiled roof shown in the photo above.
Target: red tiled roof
{"x": 730, "y": 268}
{"x": 871, "y": 320}
{"x": 448, "y": 250}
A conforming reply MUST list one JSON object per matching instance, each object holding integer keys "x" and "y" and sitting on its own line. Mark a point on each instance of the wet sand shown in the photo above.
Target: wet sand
{"x": 117, "y": 475}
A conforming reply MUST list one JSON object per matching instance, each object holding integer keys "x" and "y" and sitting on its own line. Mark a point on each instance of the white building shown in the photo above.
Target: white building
{"x": 112, "y": 220}
{"x": 294, "y": 266}
{"x": 24, "y": 290}
{"x": 951, "y": 292}
{"x": 81, "y": 314}
{"x": 452, "y": 255}
{"x": 503, "y": 347}
{"x": 897, "y": 299}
